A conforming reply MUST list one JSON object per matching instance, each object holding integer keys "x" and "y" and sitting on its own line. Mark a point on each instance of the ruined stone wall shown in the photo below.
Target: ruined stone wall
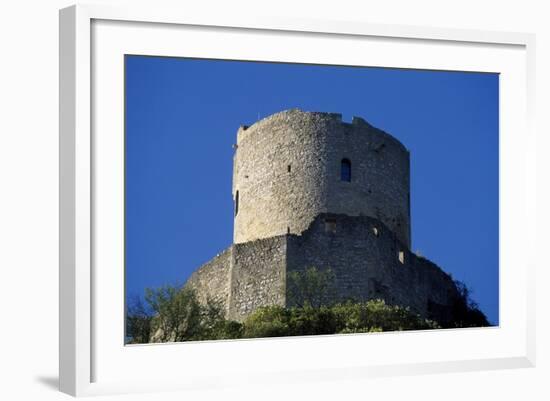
{"x": 212, "y": 280}
{"x": 287, "y": 171}
{"x": 365, "y": 258}
{"x": 257, "y": 276}
{"x": 368, "y": 261}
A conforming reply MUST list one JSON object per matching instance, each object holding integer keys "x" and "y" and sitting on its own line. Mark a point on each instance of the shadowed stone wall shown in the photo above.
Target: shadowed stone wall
{"x": 369, "y": 262}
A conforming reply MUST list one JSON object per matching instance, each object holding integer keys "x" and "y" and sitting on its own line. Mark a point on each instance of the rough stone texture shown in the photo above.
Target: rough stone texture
{"x": 257, "y": 276}
{"x": 275, "y": 201}
{"x": 212, "y": 280}
{"x": 295, "y": 212}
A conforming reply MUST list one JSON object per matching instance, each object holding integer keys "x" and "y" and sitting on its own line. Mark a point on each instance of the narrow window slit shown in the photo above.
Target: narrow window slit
{"x": 402, "y": 257}
{"x": 345, "y": 170}
{"x": 330, "y": 226}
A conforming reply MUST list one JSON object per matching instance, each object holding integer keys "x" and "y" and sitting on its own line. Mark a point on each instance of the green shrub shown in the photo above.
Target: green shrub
{"x": 268, "y": 321}
{"x": 310, "y": 287}
{"x": 311, "y": 321}
{"x": 371, "y": 316}
{"x": 375, "y": 315}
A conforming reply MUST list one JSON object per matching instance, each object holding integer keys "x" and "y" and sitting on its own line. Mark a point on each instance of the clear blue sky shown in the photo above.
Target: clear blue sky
{"x": 182, "y": 117}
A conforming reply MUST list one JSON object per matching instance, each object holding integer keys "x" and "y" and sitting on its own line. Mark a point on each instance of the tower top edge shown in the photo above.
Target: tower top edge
{"x": 296, "y": 113}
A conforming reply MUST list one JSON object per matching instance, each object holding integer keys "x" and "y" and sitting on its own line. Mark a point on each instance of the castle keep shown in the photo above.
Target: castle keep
{"x": 312, "y": 190}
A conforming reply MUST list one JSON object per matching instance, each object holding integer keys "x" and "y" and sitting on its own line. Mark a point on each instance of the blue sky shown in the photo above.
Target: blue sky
{"x": 182, "y": 117}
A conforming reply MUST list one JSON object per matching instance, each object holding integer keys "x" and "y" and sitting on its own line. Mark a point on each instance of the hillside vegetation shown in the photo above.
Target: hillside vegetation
{"x": 173, "y": 314}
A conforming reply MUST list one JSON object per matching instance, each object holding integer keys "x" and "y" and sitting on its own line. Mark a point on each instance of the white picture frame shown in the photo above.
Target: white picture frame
{"x": 82, "y": 158}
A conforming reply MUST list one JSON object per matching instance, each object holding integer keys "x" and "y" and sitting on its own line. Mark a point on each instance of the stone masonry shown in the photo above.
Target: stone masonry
{"x": 286, "y": 171}
{"x": 294, "y": 209}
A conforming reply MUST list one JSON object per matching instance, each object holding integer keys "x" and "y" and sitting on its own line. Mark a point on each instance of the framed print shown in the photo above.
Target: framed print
{"x": 260, "y": 200}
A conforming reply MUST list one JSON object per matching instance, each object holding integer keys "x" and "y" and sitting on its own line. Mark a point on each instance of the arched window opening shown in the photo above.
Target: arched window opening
{"x": 345, "y": 170}
{"x": 236, "y": 202}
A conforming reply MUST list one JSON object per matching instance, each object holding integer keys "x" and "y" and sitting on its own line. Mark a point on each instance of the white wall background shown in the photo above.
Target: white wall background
{"x": 29, "y": 197}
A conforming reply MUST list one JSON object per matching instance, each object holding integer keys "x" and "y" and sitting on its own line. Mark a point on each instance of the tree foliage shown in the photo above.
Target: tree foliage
{"x": 465, "y": 311}
{"x": 310, "y": 287}
{"x": 349, "y": 317}
{"x": 138, "y": 321}
{"x": 177, "y": 313}
{"x": 174, "y": 314}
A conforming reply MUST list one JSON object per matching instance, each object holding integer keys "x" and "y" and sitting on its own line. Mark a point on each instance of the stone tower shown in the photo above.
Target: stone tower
{"x": 290, "y": 167}
{"x": 312, "y": 190}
